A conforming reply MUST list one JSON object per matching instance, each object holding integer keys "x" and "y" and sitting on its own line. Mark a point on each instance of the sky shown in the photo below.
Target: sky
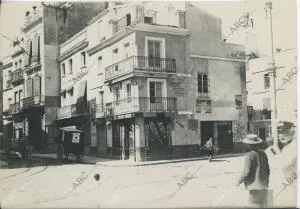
{"x": 284, "y": 22}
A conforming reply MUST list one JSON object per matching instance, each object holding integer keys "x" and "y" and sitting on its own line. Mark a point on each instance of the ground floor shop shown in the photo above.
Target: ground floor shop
{"x": 140, "y": 138}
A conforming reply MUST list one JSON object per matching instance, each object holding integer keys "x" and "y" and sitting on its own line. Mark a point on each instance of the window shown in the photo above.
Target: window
{"x": 70, "y": 65}
{"x": 181, "y": 16}
{"x": 101, "y": 93}
{"x": 154, "y": 53}
{"x": 36, "y": 86}
{"x": 128, "y": 88}
{"x": 20, "y": 63}
{"x": 16, "y": 97}
{"x": 115, "y": 51}
{"x": 117, "y": 94}
{"x": 63, "y": 69}
{"x": 38, "y": 48}
{"x": 126, "y": 50}
{"x": 29, "y": 88}
{"x": 16, "y": 65}
{"x": 100, "y": 64}
{"x": 203, "y": 106}
{"x": 267, "y": 81}
{"x": 238, "y": 101}
{"x": 128, "y": 19}
{"x": 148, "y": 20}
{"x": 20, "y": 95}
{"x": 83, "y": 59}
{"x": 155, "y": 92}
{"x": 203, "y": 84}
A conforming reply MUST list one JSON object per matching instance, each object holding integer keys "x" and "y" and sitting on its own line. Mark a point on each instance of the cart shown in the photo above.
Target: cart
{"x": 71, "y": 143}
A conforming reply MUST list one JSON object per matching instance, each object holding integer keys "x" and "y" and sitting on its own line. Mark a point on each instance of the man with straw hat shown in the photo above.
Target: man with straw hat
{"x": 256, "y": 172}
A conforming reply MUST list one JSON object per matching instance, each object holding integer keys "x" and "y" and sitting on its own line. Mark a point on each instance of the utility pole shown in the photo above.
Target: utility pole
{"x": 272, "y": 73}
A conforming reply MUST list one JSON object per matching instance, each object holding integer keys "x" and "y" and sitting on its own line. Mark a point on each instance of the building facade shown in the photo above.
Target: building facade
{"x": 32, "y": 73}
{"x": 142, "y": 81}
{"x": 258, "y": 87}
{"x": 153, "y": 84}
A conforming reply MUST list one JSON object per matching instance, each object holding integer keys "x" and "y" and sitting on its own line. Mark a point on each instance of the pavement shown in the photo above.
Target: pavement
{"x": 114, "y": 162}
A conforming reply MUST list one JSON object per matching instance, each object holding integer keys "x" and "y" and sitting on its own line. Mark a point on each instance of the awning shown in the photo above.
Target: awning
{"x": 81, "y": 92}
{"x": 71, "y": 129}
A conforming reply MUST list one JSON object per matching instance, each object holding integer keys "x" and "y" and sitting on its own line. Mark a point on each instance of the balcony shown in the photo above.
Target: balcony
{"x": 141, "y": 64}
{"x": 34, "y": 101}
{"x": 71, "y": 111}
{"x": 137, "y": 104}
{"x": 203, "y": 94}
{"x": 15, "y": 108}
{"x": 17, "y": 77}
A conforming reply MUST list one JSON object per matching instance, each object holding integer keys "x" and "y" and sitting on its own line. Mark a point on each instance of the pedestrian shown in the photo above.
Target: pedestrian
{"x": 256, "y": 172}
{"x": 210, "y": 148}
{"x": 286, "y": 133}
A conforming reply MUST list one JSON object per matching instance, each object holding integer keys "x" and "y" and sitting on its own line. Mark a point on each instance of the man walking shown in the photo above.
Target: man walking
{"x": 256, "y": 172}
{"x": 210, "y": 148}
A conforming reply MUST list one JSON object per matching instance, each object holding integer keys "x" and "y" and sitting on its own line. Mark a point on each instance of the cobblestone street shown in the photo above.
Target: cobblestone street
{"x": 161, "y": 185}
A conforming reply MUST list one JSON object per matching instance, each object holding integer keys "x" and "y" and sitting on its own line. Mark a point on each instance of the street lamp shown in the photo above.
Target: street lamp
{"x": 272, "y": 73}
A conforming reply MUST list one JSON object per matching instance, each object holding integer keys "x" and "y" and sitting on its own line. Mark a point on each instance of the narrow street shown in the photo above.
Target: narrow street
{"x": 210, "y": 184}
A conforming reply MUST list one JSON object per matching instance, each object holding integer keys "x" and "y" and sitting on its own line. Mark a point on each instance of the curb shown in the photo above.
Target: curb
{"x": 167, "y": 162}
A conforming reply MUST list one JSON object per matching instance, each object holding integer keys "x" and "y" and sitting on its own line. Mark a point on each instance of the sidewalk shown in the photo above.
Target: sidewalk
{"x": 117, "y": 163}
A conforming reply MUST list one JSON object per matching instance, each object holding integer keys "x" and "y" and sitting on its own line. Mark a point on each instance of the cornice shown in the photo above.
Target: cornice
{"x": 73, "y": 50}
{"x": 6, "y": 66}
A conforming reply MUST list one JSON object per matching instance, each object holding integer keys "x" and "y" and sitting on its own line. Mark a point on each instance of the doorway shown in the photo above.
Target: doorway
{"x": 207, "y": 131}
{"x": 225, "y": 139}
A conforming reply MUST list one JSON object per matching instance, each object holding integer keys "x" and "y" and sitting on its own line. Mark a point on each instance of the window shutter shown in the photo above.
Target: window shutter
{"x": 37, "y": 86}
{"x": 38, "y": 49}
{"x": 30, "y": 52}
{"x": 29, "y": 87}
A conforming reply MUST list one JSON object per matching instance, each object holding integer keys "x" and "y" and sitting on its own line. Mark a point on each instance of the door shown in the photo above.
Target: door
{"x": 154, "y": 55}
{"x": 225, "y": 139}
{"x": 207, "y": 131}
{"x": 156, "y": 103}
{"x": 116, "y": 143}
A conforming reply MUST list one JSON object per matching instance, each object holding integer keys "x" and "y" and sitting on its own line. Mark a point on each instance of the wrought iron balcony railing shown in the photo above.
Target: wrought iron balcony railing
{"x": 140, "y": 63}
{"x": 71, "y": 111}
{"x": 17, "y": 76}
{"x": 38, "y": 100}
{"x": 137, "y": 104}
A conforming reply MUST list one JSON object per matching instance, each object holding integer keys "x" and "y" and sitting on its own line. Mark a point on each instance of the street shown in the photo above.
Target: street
{"x": 184, "y": 184}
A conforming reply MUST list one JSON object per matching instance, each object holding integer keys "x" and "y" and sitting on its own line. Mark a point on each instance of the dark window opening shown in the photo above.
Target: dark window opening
{"x": 267, "y": 81}
{"x": 128, "y": 19}
{"x": 148, "y": 20}
{"x": 238, "y": 101}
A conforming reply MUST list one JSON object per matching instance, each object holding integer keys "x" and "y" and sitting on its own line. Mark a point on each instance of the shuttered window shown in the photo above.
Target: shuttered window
{"x": 36, "y": 86}
{"x": 29, "y": 87}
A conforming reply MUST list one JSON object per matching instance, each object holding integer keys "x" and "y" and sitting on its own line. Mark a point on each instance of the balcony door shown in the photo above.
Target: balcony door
{"x": 154, "y": 48}
{"x": 156, "y": 95}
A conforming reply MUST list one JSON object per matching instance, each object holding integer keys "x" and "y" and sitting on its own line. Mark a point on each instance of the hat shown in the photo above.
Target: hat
{"x": 283, "y": 126}
{"x": 252, "y": 139}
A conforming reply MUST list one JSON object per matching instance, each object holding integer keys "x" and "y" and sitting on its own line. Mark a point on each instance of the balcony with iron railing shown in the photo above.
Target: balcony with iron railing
{"x": 141, "y": 64}
{"x": 17, "y": 77}
{"x": 137, "y": 104}
{"x": 34, "y": 101}
{"x": 15, "y": 108}
{"x": 71, "y": 111}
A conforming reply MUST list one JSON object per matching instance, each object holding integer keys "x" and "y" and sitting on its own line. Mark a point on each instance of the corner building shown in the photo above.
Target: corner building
{"x": 159, "y": 81}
